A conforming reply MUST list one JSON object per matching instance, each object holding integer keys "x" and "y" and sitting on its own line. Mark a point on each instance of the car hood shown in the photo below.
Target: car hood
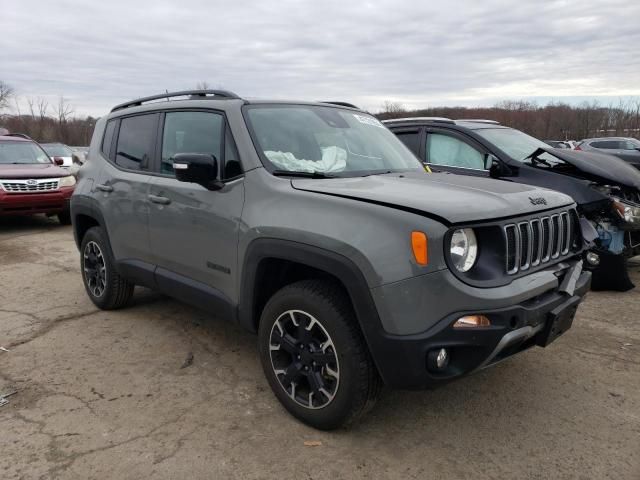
{"x": 607, "y": 167}
{"x": 452, "y": 198}
{"x": 32, "y": 170}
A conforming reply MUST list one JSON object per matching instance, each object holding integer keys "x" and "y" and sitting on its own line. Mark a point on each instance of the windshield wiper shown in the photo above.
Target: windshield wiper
{"x": 536, "y": 160}
{"x": 294, "y": 173}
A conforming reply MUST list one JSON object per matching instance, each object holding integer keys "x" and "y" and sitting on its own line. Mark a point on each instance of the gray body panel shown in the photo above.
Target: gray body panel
{"x": 455, "y": 198}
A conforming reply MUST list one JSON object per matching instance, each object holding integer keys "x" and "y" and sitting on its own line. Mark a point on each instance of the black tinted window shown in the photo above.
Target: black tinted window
{"x": 411, "y": 140}
{"x": 107, "y": 140}
{"x": 135, "y": 141}
{"x": 607, "y": 145}
{"x": 190, "y": 132}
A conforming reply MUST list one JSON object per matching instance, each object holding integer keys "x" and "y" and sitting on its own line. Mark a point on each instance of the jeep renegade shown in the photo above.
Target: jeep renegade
{"x": 312, "y": 225}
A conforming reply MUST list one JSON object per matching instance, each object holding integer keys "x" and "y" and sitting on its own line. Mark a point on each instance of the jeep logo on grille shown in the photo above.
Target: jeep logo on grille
{"x": 31, "y": 182}
{"x": 537, "y": 201}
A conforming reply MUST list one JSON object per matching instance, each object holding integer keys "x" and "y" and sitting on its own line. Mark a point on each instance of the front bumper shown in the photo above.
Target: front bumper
{"x": 514, "y": 328}
{"x": 32, "y": 203}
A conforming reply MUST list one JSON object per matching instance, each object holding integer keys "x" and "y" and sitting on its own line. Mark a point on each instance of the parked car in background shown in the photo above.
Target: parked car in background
{"x": 30, "y": 182}
{"x": 606, "y": 189}
{"x": 628, "y": 149}
{"x": 559, "y": 144}
{"x": 312, "y": 225}
{"x": 59, "y": 150}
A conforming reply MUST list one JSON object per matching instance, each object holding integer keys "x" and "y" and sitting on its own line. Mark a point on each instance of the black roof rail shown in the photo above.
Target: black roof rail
{"x": 19, "y": 135}
{"x": 192, "y": 94}
{"x": 341, "y": 104}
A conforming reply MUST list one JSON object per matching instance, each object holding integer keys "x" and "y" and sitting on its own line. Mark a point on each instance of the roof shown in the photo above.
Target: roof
{"x": 9, "y": 138}
{"x": 471, "y": 124}
{"x": 608, "y": 138}
{"x": 190, "y": 96}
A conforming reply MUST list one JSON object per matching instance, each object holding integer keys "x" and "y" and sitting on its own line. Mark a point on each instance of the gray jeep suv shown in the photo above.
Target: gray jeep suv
{"x": 314, "y": 226}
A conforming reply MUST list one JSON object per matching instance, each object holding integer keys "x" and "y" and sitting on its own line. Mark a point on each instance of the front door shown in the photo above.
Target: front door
{"x": 194, "y": 231}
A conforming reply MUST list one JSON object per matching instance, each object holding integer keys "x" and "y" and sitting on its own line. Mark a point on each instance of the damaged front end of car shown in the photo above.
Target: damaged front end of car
{"x": 613, "y": 232}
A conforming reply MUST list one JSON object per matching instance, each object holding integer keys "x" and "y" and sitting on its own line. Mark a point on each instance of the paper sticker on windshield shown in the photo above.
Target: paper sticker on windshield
{"x": 368, "y": 120}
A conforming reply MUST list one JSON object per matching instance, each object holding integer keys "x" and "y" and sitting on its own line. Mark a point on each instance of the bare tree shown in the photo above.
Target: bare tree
{"x": 392, "y": 107}
{"x": 203, "y": 85}
{"x": 6, "y": 92}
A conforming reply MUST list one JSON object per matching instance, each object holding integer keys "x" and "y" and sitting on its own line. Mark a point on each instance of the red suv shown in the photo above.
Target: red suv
{"x": 30, "y": 182}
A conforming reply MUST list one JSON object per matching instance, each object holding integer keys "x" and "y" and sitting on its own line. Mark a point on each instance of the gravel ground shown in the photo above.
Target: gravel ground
{"x": 103, "y": 395}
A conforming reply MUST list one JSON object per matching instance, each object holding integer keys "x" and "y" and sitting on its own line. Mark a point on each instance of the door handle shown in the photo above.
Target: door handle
{"x": 159, "y": 200}
{"x": 104, "y": 188}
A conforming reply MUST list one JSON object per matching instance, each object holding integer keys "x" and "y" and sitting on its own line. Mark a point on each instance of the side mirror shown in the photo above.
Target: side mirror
{"x": 197, "y": 168}
{"x": 58, "y": 161}
{"x": 496, "y": 167}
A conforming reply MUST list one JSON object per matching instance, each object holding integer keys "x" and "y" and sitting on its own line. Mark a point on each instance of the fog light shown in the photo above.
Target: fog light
{"x": 438, "y": 359}
{"x": 593, "y": 259}
{"x": 472, "y": 321}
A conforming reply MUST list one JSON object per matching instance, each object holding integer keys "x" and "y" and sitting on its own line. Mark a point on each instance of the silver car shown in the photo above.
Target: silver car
{"x": 627, "y": 149}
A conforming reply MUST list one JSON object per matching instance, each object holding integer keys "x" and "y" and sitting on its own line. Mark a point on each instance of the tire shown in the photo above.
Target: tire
{"x": 344, "y": 368}
{"x": 64, "y": 217}
{"x": 611, "y": 274}
{"x": 105, "y": 287}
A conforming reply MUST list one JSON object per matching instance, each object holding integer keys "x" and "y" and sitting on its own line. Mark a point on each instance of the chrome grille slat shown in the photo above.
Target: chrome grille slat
{"x": 537, "y": 241}
{"x": 30, "y": 185}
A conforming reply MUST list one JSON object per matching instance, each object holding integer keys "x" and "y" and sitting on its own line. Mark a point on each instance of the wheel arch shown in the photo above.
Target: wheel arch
{"x": 264, "y": 253}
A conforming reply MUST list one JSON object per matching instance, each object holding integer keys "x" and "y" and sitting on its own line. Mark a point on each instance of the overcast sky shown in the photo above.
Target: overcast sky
{"x": 419, "y": 53}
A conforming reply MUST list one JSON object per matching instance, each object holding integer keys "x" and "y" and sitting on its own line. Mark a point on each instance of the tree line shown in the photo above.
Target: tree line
{"x": 554, "y": 121}
{"x": 42, "y": 121}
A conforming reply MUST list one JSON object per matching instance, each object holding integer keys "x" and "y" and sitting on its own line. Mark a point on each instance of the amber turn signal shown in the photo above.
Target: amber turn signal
{"x": 472, "y": 321}
{"x": 420, "y": 248}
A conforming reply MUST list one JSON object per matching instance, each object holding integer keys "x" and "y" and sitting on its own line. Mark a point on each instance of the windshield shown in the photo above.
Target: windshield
{"x": 327, "y": 140}
{"x": 57, "y": 150}
{"x": 21, "y": 153}
{"x": 518, "y": 145}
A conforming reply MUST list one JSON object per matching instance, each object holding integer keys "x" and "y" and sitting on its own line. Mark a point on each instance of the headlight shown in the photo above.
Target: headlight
{"x": 69, "y": 181}
{"x": 463, "y": 249}
{"x": 628, "y": 213}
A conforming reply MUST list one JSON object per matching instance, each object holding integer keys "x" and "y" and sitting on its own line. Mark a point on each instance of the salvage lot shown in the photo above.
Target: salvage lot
{"x": 112, "y": 394}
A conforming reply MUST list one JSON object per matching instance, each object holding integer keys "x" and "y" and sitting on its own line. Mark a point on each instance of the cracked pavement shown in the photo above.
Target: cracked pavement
{"x": 103, "y": 395}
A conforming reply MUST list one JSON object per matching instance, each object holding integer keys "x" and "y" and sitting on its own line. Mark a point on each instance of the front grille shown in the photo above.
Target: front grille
{"x": 30, "y": 186}
{"x": 538, "y": 240}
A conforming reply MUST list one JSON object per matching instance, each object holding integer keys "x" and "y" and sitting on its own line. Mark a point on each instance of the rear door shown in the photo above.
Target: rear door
{"x": 454, "y": 152}
{"x": 194, "y": 231}
{"x": 123, "y": 183}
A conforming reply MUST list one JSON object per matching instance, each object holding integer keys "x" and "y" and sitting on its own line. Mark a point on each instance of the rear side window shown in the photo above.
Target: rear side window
{"x": 411, "y": 140}
{"x": 607, "y": 145}
{"x": 135, "y": 141}
{"x": 107, "y": 140}
{"x": 190, "y": 132}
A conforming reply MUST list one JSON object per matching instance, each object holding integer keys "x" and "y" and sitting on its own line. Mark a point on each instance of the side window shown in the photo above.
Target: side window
{"x": 411, "y": 140}
{"x": 606, "y": 145}
{"x": 452, "y": 152}
{"x": 135, "y": 141}
{"x": 190, "y": 132}
{"x": 627, "y": 145}
{"x": 107, "y": 140}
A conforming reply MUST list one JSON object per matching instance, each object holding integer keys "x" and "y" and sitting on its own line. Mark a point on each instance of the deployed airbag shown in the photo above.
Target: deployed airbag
{"x": 334, "y": 159}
